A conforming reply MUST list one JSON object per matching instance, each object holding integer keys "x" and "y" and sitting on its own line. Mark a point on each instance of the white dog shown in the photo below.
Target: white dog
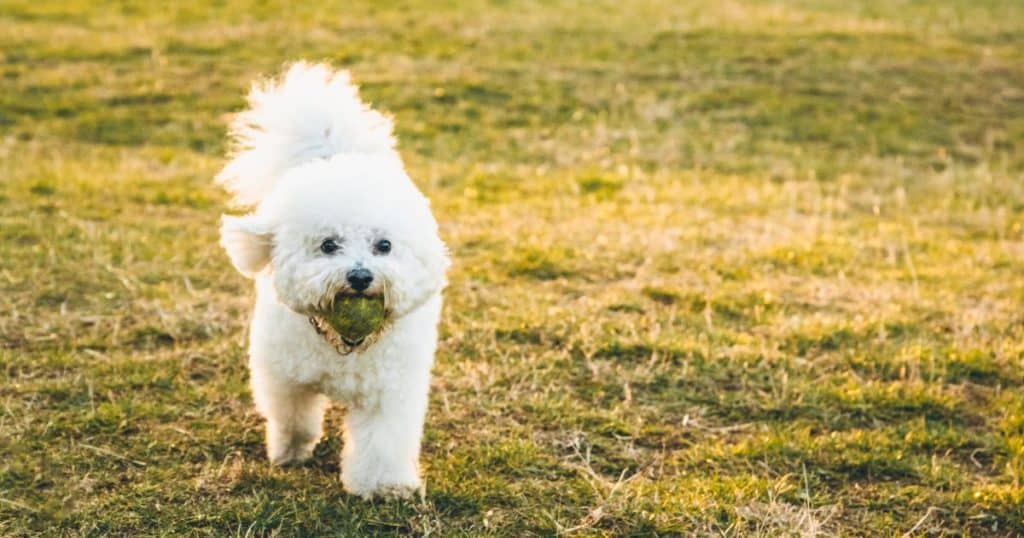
{"x": 334, "y": 213}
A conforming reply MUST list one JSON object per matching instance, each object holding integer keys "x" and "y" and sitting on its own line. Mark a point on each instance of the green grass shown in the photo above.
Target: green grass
{"x": 728, "y": 267}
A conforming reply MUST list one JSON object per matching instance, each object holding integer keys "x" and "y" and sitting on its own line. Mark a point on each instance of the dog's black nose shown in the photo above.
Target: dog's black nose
{"x": 359, "y": 278}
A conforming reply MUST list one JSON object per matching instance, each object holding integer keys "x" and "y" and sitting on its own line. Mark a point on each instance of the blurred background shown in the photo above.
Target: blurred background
{"x": 732, "y": 267}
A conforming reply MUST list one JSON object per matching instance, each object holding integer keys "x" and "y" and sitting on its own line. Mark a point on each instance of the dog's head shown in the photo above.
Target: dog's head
{"x": 351, "y": 224}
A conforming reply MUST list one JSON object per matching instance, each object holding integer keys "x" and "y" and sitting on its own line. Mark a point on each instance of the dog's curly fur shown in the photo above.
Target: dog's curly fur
{"x": 313, "y": 162}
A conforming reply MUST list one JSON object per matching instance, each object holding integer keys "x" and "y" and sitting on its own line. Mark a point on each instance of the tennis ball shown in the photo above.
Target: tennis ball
{"x": 356, "y": 317}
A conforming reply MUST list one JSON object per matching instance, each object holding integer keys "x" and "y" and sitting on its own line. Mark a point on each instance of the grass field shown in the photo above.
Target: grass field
{"x": 721, "y": 267}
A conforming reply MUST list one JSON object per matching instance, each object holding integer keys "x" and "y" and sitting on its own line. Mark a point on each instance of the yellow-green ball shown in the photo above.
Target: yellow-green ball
{"x": 355, "y": 318}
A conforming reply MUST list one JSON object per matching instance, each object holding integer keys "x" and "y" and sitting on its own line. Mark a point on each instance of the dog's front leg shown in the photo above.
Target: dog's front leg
{"x": 294, "y": 417}
{"x": 382, "y": 446}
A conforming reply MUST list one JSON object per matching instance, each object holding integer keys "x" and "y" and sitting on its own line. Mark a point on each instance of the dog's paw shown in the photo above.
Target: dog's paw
{"x": 399, "y": 491}
{"x": 285, "y": 453}
{"x": 289, "y": 457}
{"x": 401, "y": 485}
{"x": 387, "y": 491}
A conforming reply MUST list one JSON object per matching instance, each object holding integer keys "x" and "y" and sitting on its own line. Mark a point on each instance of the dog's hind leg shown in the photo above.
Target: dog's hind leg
{"x": 294, "y": 417}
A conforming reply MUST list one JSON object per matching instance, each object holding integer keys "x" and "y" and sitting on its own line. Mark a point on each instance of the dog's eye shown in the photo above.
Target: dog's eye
{"x": 382, "y": 247}
{"x": 329, "y": 246}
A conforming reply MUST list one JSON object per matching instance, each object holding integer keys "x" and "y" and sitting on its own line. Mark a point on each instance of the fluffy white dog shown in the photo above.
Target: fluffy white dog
{"x": 334, "y": 215}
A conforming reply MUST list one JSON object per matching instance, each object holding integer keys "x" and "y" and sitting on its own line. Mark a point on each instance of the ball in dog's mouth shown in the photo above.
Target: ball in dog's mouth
{"x": 354, "y": 317}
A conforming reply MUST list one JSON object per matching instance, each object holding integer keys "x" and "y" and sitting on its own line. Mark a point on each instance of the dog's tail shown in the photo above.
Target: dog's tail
{"x": 311, "y": 112}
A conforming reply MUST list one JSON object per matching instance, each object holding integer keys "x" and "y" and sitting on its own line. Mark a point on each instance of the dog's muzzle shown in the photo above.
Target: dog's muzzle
{"x": 351, "y": 321}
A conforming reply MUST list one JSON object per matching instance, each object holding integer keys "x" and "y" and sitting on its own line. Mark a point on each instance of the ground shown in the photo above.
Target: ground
{"x": 721, "y": 267}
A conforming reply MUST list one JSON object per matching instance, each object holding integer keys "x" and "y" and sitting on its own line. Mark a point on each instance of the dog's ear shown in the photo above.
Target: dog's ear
{"x": 247, "y": 240}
